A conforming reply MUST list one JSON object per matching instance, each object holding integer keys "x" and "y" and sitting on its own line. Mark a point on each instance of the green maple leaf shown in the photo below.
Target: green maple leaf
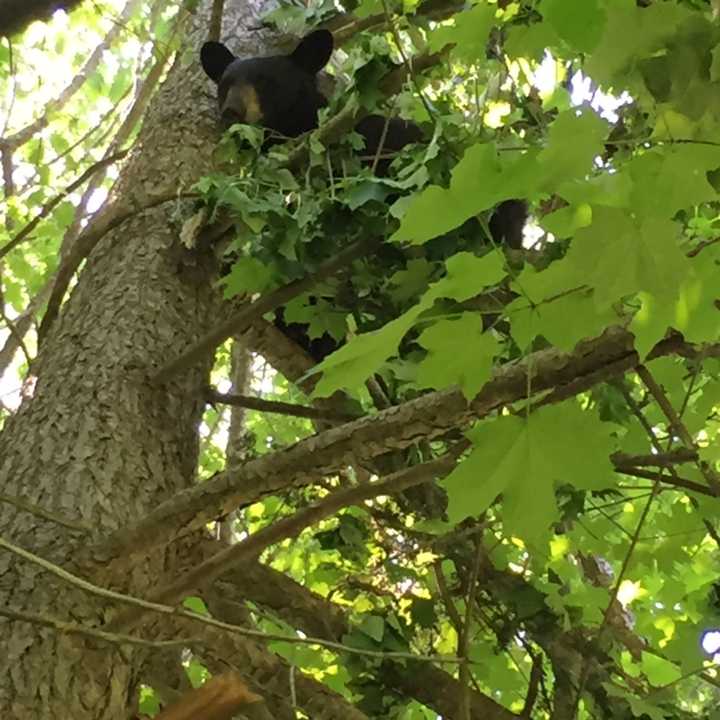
{"x": 555, "y": 305}
{"x": 468, "y": 33}
{"x": 672, "y": 178}
{"x": 519, "y": 458}
{"x": 363, "y": 355}
{"x": 466, "y": 276}
{"x": 247, "y": 275}
{"x": 459, "y": 353}
{"x": 493, "y": 463}
{"x": 575, "y": 139}
{"x": 349, "y": 366}
{"x": 479, "y": 181}
{"x": 580, "y": 24}
{"x": 658, "y": 670}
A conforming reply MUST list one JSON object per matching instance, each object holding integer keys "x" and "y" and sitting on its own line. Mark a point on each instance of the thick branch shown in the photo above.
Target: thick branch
{"x": 250, "y": 548}
{"x": 398, "y": 427}
{"x": 315, "y": 615}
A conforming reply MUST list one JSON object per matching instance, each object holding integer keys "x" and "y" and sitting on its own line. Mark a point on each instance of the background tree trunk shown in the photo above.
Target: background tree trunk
{"x": 98, "y": 443}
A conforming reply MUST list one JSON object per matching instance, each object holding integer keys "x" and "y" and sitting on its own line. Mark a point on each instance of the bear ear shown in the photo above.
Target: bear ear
{"x": 314, "y": 51}
{"x": 215, "y": 57}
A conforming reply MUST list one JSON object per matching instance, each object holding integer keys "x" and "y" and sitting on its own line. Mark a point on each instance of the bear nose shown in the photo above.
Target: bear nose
{"x": 231, "y": 115}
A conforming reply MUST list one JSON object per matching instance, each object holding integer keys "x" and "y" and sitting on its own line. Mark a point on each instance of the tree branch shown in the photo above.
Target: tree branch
{"x": 17, "y": 139}
{"x": 251, "y": 312}
{"x": 49, "y": 206}
{"x": 316, "y": 615}
{"x": 275, "y": 406}
{"x": 251, "y": 547}
{"x": 429, "y": 416}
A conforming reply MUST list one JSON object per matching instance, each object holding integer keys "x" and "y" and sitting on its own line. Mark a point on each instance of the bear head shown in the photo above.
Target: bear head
{"x": 279, "y": 92}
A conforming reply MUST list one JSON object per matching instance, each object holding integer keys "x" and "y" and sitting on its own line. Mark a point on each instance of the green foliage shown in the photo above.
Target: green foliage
{"x": 56, "y": 134}
{"x": 626, "y": 211}
{"x": 572, "y": 555}
{"x": 518, "y": 458}
{"x": 149, "y": 704}
{"x": 468, "y": 33}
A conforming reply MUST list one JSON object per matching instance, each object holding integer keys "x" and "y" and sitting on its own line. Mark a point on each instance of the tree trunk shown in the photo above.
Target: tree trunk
{"x": 98, "y": 443}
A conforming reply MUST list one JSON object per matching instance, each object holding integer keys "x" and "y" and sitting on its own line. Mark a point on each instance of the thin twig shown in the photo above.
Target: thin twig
{"x": 89, "y": 68}
{"x": 190, "y": 615}
{"x": 345, "y": 25}
{"x": 8, "y": 181}
{"x": 216, "y": 17}
{"x": 407, "y": 62}
{"x": 22, "y": 323}
{"x": 51, "y": 204}
{"x": 13, "y": 89}
{"x": 676, "y": 422}
{"x": 98, "y": 142}
{"x": 381, "y": 145}
{"x": 656, "y": 459}
{"x": 464, "y": 639}
{"x": 67, "y": 628}
{"x": 650, "y": 382}
{"x": 447, "y": 599}
{"x": 275, "y": 406}
{"x": 536, "y": 675}
{"x": 16, "y": 334}
{"x": 672, "y": 480}
{"x": 585, "y": 673}
{"x": 71, "y": 259}
{"x": 677, "y": 426}
{"x": 701, "y": 246}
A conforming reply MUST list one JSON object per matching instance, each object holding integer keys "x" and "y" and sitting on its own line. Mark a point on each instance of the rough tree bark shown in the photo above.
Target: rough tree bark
{"x": 97, "y": 442}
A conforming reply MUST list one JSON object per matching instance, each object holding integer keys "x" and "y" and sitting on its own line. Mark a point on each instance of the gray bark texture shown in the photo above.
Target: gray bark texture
{"x": 97, "y": 443}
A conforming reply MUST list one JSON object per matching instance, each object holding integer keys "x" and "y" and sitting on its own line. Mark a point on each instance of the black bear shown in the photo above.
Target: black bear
{"x": 281, "y": 94}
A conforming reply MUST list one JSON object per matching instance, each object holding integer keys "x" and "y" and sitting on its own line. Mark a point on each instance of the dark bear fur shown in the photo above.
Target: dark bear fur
{"x": 280, "y": 92}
